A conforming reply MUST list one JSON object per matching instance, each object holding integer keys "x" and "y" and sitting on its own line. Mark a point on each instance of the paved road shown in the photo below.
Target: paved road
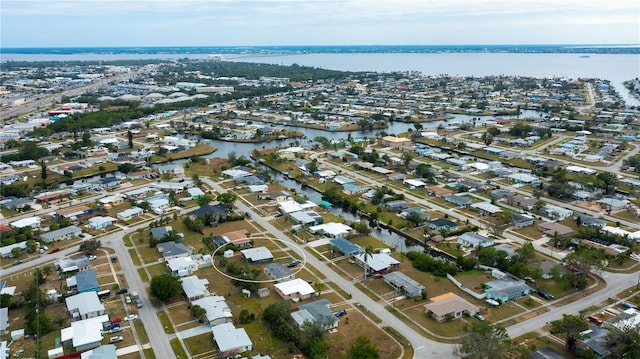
{"x": 423, "y": 347}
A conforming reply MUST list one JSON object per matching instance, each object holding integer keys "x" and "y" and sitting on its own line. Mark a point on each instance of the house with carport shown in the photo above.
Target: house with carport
{"x": 230, "y": 340}
{"x": 295, "y": 290}
{"x": 60, "y": 234}
{"x": 376, "y": 262}
{"x": 316, "y": 311}
{"x": 218, "y": 311}
{"x": 84, "y": 305}
{"x": 403, "y": 283}
{"x": 449, "y": 305}
{"x": 195, "y": 288}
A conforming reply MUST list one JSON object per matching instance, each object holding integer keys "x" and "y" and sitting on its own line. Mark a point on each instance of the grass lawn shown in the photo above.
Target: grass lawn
{"x": 134, "y": 257}
{"x": 166, "y": 323}
{"x": 149, "y": 354}
{"x": 364, "y": 241}
{"x": 143, "y": 274}
{"x": 149, "y": 255}
{"x": 179, "y": 314}
{"x": 178, "y": 350}
{"x": 451, "y": 329}
{"x": 157, "y": 269}
{"x": 200, "y": 344}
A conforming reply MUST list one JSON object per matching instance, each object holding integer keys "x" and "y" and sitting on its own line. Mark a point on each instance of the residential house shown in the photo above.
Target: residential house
{"x": 84, "y": 305}
{"x": 194, "y": 193}
{"x": 86, "y": 281}
{"x": 71, "y": 265}
{"x": 171, "y": 249}
{"x": 84, "y": 334}
{"x": 158, "y": 233}
{"x": 240, "y": 238}
{"x": 181, "y": 266}
{"x": 296, "y": 290}
{"x": 401, "y": 282}
{"x": 33, "y": 222}
{"x": 506, "y": 289}
{"x": 396, "y": 206}
{"x": 417, "y": 210}
{"x": 74, "y": 212}
{"x": 139, "y": 175}
{"x": 195, "y": 288}
{"x": 331, "y": 229}
{"x": 171, "y": 169}
{"x": 216, "y": 212}
{"x": 111, "y": 201}
{"x": 527, "y": 203}
{"x": 235, "y": 173}
{"x": 279, "y": 272}
{"x": 345, "y": 247}
{"x": 4, "y": 321}
{"x": 231, "y": 340}
{"x": 556, "y": 212}
{"x": 442, "y": 224}
{"x": 129, "y": 214}
{"x": 376, "y": 262}
{"x": 7, "y": 251}
{"x": 217, "y": 309}
{"x": 316, "y": 311}
{"x": 522, "y": 220}
{"x": 278, "y": 196}
{"x": 100, "y": 222}
{"x": 449, "y": 305}
{"x": 108, "y": 182}
{"x": 257, "y": 255}
{"x": 308, "y": 218}
{"x": 439, "y": 192}
{"x": 500, "y": 194}
{"x": 350, "y": 189}
{"x": 551, "y": 229}
{"x": 588, "y": 221}
{"x": 474, "y": 240}
{"x": 397, "y": 142}
{"x": 60, "y": 234}
{"x": 486, "y": 208}
{"x": 460, "y": 201}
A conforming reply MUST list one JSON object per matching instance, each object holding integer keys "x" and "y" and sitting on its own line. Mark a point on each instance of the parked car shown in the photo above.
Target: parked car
{"x": 478, "y": 316}
{"x": 116, "y": 320}
{"x": 545, "y": 295}
{"x": 117, "y": 338}
{"x": 138, "y": 303}
{"x": 594, "y": 319}
{"x": 113, "y": 326}
{"x": 81, "y": 235}
{"x": 114, "y": 330}
{"x": 122, "y": 291}
{"x": 54, "y": 250}
{"x": 134, "y": 294}
{"x": 15, "y": 263}
{"x": 293, "y": 263}
{"x": 127, "y": 299}
{"x": 114, "y": 259}
{"x": 92, "y": 257}
{"x": 340, "y": 313}
{"x": 627, "y": 305}
{"x": 131, "y": 317}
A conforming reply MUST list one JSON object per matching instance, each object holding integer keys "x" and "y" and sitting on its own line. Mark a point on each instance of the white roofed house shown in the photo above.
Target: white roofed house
{"x": 218, "y": 311}
{"x": 296, "y": 290}
{"x": 231, "y": 340}
{"x": 100, "y": 222}
{"x": 84, "y": 334}
{"x": 33, "y": 222}
{"x": 60, "y": 234}
{"x": 182, "y": 266}
{"x": 85, "y": 305}
{"x": 130, "y": 213}
{"x": 6, "y": 251}
{"x": 331, "y": 229}
{"x": 376, "y": 262}
{"x": 195, "y": 288}
{"x": 474, "y": 240}
{"x": 257, "y": 255}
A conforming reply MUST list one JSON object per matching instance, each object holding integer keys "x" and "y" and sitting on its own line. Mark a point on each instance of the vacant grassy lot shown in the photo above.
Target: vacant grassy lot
{"x": 200, "y": 344}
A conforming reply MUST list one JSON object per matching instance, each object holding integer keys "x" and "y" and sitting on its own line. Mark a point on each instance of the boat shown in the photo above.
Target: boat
{"x": 492, "y": 302}
{"x": 584, "y": 56}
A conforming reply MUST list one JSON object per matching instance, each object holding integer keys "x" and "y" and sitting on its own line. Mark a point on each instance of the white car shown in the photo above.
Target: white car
{"x": 92, "y": 258}
{"x": 127, "y": 299}
{"x": 131, "y": 317}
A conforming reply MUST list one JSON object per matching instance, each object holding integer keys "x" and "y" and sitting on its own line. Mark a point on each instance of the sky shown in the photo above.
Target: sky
{"x": 96, "y": 23}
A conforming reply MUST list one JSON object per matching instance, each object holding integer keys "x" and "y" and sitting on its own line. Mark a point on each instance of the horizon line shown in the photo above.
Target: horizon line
{"x": 352, "y": 45}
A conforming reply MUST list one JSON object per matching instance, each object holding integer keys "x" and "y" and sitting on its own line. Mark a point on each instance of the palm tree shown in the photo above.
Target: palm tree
{"x": 368, "y": 253}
